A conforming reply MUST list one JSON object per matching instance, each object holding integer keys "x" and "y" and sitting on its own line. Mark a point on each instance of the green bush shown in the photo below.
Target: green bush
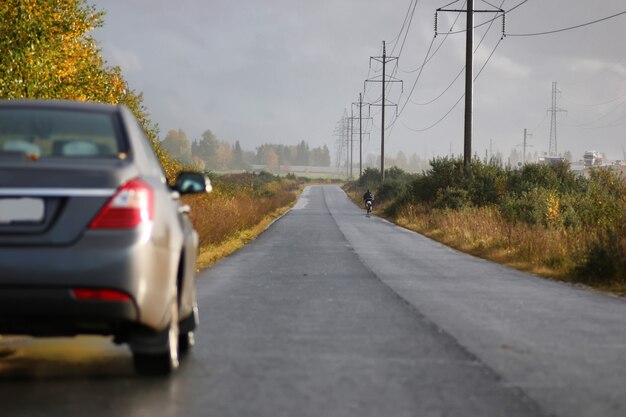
{"x": 602, "y": 203}
{"x": 421, "y": 189}
{"x": 529, "y": 207}
{"x": 487, "y": 184}
{"x": 452, "y": 198}
{"x": 605, "y": 261}
{"x": 370, "y": 179}
{"x": 395, "y": 173}
{"x": 444, "y": 173}
{"x": 390, "y": 189}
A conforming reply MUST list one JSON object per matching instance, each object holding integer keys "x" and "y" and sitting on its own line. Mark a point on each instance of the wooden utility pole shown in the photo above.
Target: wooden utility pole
{"x": 351, "y": 141}
{"x": 360, "y": 135}
{"x": 360, "y": 105}
{"x": 469, "y": 83}
{"x": 525, "y": 145}
{"x": 383, "y": 60}
{"x": 469, "y": 76}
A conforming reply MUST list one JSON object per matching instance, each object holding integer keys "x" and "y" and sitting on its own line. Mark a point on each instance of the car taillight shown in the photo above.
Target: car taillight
{"x": 132, "y": 204}
{"x": 99, "y": 294}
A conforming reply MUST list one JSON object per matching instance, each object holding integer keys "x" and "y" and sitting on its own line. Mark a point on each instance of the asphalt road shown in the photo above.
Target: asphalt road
{"x": 332, "y": 313}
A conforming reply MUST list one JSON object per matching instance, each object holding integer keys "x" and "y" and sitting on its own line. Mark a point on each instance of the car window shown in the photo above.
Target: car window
{"x": 143, "y": 148}
{"x": 52, "y": 133}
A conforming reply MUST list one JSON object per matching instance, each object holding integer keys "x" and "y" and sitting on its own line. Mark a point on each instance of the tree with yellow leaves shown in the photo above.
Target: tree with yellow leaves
{"x": 46, "y": 52}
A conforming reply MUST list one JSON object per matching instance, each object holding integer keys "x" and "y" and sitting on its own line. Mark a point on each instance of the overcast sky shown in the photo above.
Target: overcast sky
{"x": 282, "y": 71}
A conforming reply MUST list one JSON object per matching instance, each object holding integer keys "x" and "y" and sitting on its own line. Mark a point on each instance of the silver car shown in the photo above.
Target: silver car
{"x": 92, "y": 238}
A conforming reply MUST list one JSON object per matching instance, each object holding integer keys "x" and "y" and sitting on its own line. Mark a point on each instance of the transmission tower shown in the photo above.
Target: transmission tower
{"x": 341, "y": 132}
{"x": 553, "y": 110}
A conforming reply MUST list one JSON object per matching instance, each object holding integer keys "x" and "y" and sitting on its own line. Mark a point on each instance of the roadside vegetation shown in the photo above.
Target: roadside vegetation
{"x": 540, "y": 218}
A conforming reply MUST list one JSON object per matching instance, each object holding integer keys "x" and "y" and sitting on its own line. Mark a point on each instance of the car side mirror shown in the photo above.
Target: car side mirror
{"x": 192, "y": 183}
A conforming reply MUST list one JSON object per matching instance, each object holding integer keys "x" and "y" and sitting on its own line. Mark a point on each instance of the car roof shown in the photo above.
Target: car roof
{"x": 60, "y": 105}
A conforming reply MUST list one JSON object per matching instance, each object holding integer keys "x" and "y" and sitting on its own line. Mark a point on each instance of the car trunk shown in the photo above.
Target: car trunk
{"x": 45, "y": 203}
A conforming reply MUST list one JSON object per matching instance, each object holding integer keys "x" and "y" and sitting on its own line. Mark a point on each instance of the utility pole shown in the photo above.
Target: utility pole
{"x": 383, "y": 103}
{"x": 525, "y": 145}
{"x": 553, "y": 110}
{"x": 360, "y": 135}
{"x": 351, "y": 141}
{"x": 469, "y": 86}
{"x": 524, "y": 148}
{"x": 360, "y": 118}
{"x": 469, "y": 76}
{"x": 347, "y": 140}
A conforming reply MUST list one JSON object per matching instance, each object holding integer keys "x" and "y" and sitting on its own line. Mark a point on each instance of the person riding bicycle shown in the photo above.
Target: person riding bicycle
{"x": 368, "y": 197}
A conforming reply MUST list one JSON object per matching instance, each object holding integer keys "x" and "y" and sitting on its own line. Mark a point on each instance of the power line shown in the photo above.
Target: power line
{"x": 462, "y": 69}
{"x": 614, "y": 123}
{"x": 595, "y": 104}
{"x": 438, "y": 121}
{"x": 426, "y": 59}
{"x": 490, "y": 20}
{"x": 545, "y": 117}
{"x": 406, "y": 33}
{"x": 397, "y": 38}
{"x": 567, "y": 28}
{"x": 408, "y": 18}
{"x": 438, "y": 47}
{"x": 418, "y": 77}
{"x": 601, "y": 117}
{"x": 442, "y": 93}
{"x": 460, "y": 98}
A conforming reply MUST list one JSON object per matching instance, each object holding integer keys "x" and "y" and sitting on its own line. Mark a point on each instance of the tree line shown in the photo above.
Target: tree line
{"x": 210, "y": 153}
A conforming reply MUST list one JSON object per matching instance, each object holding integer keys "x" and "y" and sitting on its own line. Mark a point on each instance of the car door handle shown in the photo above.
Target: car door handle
{"x": 184, "y": 209}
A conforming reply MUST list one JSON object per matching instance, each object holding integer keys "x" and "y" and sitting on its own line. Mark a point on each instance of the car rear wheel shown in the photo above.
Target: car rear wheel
{"x": 186, "y": 338}
{"x": 161, "y": 363}
{"x": 185, "y": 342}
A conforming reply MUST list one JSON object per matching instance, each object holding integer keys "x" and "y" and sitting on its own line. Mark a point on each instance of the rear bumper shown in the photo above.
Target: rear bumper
{"x": 36, "y": 283}
{"x": 55, "y": 312}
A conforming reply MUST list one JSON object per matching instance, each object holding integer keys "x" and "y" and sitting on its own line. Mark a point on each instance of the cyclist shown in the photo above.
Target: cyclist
{"x": 368, "y": 198}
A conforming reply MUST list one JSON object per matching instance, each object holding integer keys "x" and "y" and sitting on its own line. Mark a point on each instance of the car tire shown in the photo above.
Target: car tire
{"x": 164, "y": 363}
{"x": 186, "y": 340}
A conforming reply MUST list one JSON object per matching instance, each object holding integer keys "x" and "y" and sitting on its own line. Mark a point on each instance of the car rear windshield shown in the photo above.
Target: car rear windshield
{"x": 52, "y": 133}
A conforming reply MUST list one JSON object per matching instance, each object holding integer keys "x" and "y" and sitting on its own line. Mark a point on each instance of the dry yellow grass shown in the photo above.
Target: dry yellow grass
{"x": 212, "y": 253}
{"x": 218, "y": 216}
{"x": 484, "y": 233}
